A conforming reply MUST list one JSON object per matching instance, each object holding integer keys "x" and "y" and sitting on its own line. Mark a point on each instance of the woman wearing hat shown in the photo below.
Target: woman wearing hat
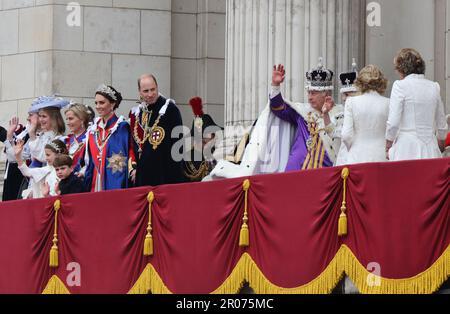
{"x": 416, "y": 128}
{"x": 51, "y": 123}
{"x": 108, "y": 147}
{"x": 365, "y": 118}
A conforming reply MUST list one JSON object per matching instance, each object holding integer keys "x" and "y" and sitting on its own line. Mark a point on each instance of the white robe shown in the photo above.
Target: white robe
{"x": 38, "y": 177}
{"x": 270, "y": 144}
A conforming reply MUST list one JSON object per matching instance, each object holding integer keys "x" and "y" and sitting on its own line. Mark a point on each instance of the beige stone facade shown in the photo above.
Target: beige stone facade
{"x": 181, "y": 41}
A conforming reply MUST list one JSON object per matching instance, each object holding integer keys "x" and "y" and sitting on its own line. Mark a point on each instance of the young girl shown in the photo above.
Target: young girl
{"x": 44, "y": 178}
{"x": 51, "y": 122}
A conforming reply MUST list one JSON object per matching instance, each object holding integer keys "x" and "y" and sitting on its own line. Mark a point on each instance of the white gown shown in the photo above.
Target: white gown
{"x": 416, "y": 119}
{"x": 364, "y": 128}
{"x": 39, "y": 176}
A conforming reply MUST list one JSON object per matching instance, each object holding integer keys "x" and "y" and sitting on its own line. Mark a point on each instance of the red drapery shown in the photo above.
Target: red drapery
{"x": 398, "y": 217}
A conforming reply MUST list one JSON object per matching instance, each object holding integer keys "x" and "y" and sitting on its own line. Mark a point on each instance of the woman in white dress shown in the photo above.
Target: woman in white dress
{"x": 416, "y": 128}
{"x": 365, "y": 118}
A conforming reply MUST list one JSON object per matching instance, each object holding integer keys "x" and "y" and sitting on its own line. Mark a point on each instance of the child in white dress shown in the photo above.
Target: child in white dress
{"x": 44, "y": 178}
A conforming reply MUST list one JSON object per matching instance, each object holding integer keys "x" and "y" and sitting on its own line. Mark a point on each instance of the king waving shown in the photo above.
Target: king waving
{"x": 292, "y": 136}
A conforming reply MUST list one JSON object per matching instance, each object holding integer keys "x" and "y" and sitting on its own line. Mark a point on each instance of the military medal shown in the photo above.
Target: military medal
{"x": 157, "y": 134}
{"x": 157, "y": 137}
{"x": 310, "y": 144}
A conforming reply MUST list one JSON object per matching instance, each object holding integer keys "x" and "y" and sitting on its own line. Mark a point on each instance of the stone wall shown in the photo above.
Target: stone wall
{"x": 181, "y": 41}
{"x": 419, "y": 24}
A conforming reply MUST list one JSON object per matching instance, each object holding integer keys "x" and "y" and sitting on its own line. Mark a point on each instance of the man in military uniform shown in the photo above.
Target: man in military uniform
{"x": 200, "y": 160}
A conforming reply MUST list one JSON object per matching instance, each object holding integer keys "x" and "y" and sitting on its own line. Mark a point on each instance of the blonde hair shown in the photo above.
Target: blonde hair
{"x": 82, "y": 112}
{"x": 409, "y": 61}
{"x": 370, "y": 78}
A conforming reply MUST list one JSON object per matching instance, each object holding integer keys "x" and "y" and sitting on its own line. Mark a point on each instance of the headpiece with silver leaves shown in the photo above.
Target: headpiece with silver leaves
{"x": 106, "y": 90}
{"x": 57, "y": 149}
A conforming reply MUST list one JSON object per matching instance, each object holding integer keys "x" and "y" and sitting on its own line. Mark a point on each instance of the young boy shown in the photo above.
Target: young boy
{"x": 70, "y": 183}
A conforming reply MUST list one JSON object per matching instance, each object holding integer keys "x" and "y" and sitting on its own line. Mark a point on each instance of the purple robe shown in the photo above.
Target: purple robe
{"x": 299, "y": 150}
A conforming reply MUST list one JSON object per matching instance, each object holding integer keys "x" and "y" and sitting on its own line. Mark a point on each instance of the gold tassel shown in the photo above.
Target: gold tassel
{"x": 244, "y": 237}
{"x": 148, "y": 242}
{"x": 54, "y": 250}
{"x": 342, "y": 228}
{"x": 342, "y": 224}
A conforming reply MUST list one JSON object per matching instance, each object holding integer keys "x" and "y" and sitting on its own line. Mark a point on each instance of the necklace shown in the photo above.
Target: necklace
{"x": 197, "y": 174}
{"x": 144, "y": 126}
{"x": 101, "y": 142}
{"x": 314, "y": 132}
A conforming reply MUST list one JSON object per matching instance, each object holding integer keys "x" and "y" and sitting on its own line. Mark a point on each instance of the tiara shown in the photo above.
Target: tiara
{"x": 73, "y": 104}
{"x": 55, "y": 147}
{"x": 107, "y": 90}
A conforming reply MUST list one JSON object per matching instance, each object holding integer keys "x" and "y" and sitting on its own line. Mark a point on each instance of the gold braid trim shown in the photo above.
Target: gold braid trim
{"x": 55, "y": 286}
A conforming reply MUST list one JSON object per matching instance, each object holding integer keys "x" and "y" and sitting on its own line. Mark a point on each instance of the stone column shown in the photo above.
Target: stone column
{"x": 198, "y": 56}
{"x": 445, "y": 51}
{"x": 261, "y": 33}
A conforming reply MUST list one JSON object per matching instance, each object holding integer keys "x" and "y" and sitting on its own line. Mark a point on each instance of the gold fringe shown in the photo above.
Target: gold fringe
{"x": 244, "y": 236}
{"x": 345, "y": 261}
{"x": 427, "y": 282}
{"x": 149, "y": 282}
{"x": 148, "y": 242}
{"x": 54, "y": 250}
{"x": 342, "y": 223}
{"x": 55, "y": 286}
{"x": 246, "y": 270}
